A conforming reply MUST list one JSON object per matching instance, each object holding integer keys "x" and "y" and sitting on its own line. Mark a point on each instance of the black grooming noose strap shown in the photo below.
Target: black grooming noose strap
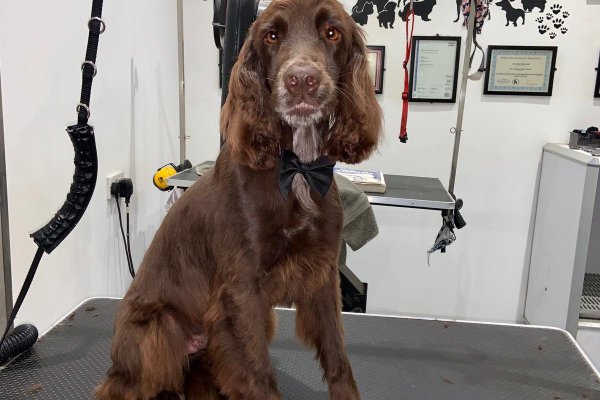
{"x": 318, "y": 174}
{"x": 96, "y": 27}
{"x": 86, "y": 167}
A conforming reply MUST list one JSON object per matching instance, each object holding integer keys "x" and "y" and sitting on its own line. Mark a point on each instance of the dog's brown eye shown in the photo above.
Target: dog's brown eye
{"x": 272, "y": 37}
{"x": 333, "y": 34}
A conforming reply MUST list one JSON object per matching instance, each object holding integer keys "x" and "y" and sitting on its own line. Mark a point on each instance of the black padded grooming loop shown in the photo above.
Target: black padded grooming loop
{"x": 82, "y": 189}
{"x": 64, "y": 221}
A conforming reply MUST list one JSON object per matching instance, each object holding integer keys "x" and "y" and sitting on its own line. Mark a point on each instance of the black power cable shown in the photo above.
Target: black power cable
{"x": 126, "y": 242}
{"x": 128, "y": 237}
{"x": 123, "y": 188}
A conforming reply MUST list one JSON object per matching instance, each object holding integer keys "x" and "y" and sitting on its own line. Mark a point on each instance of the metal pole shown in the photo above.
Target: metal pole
{"x": 463, "y": 92}
{"x": 181, "y": 60}
{"x": 6, "y": 303}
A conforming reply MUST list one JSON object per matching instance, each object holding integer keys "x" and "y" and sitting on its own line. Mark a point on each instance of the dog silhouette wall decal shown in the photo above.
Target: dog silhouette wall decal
{"x": 551, "y": 21}
{"x": 421, "y": 8}
{"x": 386, "y": 13}
{"x": 361, "y": 11}
{"x": 529, "y": 5}
{"x": 512, "y": 14}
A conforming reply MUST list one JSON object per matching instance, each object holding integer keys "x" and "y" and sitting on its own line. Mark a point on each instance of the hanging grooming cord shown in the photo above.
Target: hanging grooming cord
{"x": 64, "y": 221}
{"x": 410, "y": 28}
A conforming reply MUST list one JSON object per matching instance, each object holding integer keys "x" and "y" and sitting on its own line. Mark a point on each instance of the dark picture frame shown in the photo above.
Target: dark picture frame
{"x": 455, "y": 42}
{"x": 497, "y": 50}
{"x": 376, "y": 58}
{"x": 597, "y": 89}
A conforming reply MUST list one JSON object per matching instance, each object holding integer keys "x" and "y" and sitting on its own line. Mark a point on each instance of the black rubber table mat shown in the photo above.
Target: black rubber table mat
{"x": 392, "y": 358}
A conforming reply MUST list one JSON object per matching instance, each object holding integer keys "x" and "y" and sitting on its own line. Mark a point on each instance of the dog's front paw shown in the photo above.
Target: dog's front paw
{"x": 556, "y": 8}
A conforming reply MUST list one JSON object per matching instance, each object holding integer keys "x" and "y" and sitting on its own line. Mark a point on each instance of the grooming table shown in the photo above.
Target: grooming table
{"x": 392, "y": 358}
{"x": 402, "y": 191}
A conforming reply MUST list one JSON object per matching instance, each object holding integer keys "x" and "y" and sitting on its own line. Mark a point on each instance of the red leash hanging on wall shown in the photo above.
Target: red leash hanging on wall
{"x": 410, "y": 22}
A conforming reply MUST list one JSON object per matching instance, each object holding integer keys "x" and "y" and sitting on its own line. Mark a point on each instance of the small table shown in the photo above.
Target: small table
{"x": 402, "y": 191}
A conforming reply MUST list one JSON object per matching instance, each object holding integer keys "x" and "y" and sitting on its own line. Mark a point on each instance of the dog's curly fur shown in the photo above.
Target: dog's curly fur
{"x": 197, "y": 319}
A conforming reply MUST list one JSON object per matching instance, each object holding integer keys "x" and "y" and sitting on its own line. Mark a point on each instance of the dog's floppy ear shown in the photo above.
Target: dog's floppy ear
{"x": 248, "y": 123}
{"x": 356, "y": 126}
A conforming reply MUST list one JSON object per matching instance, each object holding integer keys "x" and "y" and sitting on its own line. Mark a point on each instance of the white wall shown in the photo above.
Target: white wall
{"x": 134, "y": 111}
{"x": 483, "y": 275}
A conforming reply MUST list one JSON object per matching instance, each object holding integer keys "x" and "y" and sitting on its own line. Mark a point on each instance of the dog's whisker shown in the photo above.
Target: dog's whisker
{"x": 346, "y": 94}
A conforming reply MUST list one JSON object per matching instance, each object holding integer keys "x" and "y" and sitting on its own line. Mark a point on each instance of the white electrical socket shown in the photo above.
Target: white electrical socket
{"x": 110, "y": 178}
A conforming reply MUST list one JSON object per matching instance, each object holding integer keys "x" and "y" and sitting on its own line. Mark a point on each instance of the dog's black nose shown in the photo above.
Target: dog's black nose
{"x": 302, "y": 78}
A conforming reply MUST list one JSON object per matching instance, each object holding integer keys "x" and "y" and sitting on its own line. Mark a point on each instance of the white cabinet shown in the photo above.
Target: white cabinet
{"x": 566, "y": 240}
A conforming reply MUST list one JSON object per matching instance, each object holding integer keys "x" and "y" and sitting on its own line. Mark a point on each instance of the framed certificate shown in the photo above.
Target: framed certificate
{"x": 597, "y": 90}
{"x": 520, "y": 70}
{"x": 434, "y": 69}
{"x": 376, "y": 59}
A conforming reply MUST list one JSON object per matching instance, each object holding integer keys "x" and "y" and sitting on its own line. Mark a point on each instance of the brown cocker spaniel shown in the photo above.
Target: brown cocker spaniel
{"x": 198, "y": 318}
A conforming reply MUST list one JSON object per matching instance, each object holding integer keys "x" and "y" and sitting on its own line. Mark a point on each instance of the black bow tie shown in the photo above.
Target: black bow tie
{"x": 318, "y": 174}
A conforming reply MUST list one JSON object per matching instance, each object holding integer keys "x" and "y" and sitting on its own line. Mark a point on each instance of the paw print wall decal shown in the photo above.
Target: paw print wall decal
{"x": 554, "y": 21}
{"x": 558, "y": 23}
{"x": 556, "y": 8}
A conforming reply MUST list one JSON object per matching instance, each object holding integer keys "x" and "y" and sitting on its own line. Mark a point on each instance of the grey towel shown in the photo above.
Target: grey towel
{"x": 360, "y": 225}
